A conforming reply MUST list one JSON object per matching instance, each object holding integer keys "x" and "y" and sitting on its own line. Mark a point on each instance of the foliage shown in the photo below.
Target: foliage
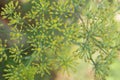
{"x": 43, "y": 35}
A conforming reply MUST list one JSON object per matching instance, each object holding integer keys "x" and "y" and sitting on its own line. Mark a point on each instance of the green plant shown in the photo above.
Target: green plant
{"x": 44, "y": 35}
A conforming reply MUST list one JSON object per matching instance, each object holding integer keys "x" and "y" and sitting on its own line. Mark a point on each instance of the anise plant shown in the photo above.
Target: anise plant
{"x": 42, "y": 36}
